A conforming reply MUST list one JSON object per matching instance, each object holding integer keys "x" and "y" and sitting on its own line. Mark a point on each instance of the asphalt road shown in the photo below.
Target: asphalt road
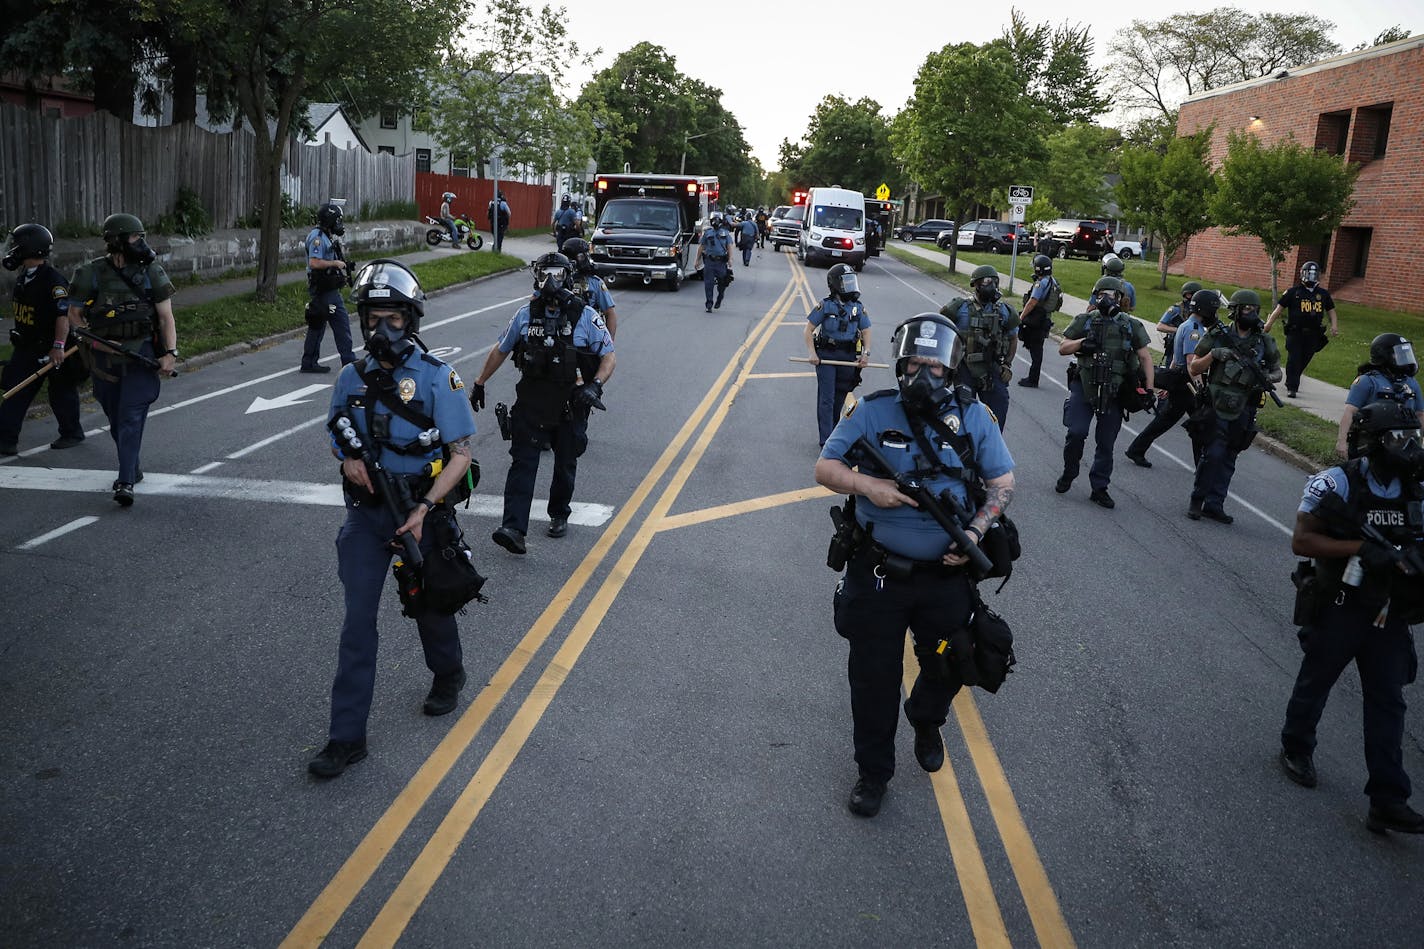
{"x": 654, "y": 748}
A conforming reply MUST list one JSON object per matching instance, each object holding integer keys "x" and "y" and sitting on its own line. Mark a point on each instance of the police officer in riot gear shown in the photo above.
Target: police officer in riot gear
{"x": 1112, "y": 354}
{"x": 904, "y": 570}
{"x": 1040, "y": 302}
{"x": 409, "y": 409}
{"x": 556, "y": 340}
{"x": 326, "y": 278}
{"x": 40, "y": 309}
{"x": 126, "y": 301}
{"x": 839, "y": 329}
{"x": 566, "y": 222}
{"x": 1306, "y": 305}
{"x": 1187, "y": 322}
{"x": 714, "y": 258}
{"x": 990, "y": 330}
{"x": 588, "y": 284}
{"x": 1358, "y": 601}
{"x": 1390, "y": 374}
{"x": 1113, "y": 266}
{"x": 1226, "y": 355}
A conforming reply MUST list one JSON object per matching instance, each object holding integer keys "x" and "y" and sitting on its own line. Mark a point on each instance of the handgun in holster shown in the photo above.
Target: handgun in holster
{"x": 501, "y": 416}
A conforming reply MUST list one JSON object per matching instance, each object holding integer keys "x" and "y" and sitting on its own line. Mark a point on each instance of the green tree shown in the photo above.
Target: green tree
{"x": 847, "y": 143}
{"x": 1169, "y": 194}
{"x": 1391, "y": 35}
{"x": 1283, "y": 195}
{"x": 1056, "y": 62}
{"x": 970, "y": 127}
{"x": 1158, "y": 62}
{"x": 1072, "y": 177}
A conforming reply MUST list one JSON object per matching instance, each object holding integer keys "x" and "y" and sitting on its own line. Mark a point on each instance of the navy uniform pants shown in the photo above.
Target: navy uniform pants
{"x": 1169, "y": 413}
{"x": 125, "y": 400}
{"x": 1300, "y": 349}
{"x": 873, "y": 616}
{"x": 1033, "y": 343}
{"x": 1387, "y": 662}
{"x": 63, "y": 394}
{"x": 1078, "y": 416}
{"x": 363, "y": 556}
{"x": 568, "y": 439}
{"x": 329, "y": 303}
{"x": 1218, "y": 460}
{"x": 714, "y": 273}
{"x": 748, "y": 245}
{"x": 833, "y": 384}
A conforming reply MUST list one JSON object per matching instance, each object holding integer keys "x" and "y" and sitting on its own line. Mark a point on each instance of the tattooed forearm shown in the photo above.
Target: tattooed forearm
{"x": 460, "y": 446}
{"x": 998, "y": 493}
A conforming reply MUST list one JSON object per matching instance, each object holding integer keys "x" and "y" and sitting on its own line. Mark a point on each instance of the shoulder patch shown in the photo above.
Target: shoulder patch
{"x": 990, "y": 412}
{"x": 598, "y": 321}
{"x": 1321, "y": 485}
{"x": 59, "y": 291}
{"x": 455, "y": 383}
{"x": 850, "y": 403}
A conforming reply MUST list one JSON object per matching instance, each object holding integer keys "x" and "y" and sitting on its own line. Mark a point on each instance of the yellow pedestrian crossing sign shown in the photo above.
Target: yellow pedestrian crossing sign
{"x": 882, "y": 192}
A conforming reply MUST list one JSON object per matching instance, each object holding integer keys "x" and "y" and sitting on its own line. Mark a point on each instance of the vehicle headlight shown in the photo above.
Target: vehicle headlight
{"x": 860, "y": 240}
{"x": 815, "y": 235}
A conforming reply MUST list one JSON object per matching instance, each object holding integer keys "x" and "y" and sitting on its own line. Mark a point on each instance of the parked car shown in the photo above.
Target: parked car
{"x": 924, "y": 231}
{"x": 786, "y": 227}
{"x": 996, "y": 237}
{"x": 1078, "y": 238}
{"x": 1128, "y": 250}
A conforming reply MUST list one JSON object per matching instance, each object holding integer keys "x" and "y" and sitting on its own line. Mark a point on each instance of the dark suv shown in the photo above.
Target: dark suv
{"x": 924, "y": 231}
{"x": 1090, "y": 239}
{"x": 996, "y": 237}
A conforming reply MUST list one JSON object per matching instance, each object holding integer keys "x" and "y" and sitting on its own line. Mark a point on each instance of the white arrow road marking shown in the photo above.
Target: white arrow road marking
{"x": 260, "y": 404}
{"x": 27, "y": 478}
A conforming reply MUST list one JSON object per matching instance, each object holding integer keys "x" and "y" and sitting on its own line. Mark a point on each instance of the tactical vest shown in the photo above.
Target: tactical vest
{"x": 1122, "y": 357}
{"x": 1398, "y": 390}
{"x": 1400, "y": 520}
{"x": 120, "y": 309}
{"x": 1231, "y": 384}
{"x": 842, "y": 319}
{"x": 547, "y": 362}
{"x": 32, "y": 305}
{"x": 987, "y": 343}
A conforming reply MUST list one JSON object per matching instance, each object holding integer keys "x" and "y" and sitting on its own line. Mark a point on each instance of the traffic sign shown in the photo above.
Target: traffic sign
{"x": 1020, "y": 194}
{"x": 1016, "y": 213}
{"x": 882, "y": 192}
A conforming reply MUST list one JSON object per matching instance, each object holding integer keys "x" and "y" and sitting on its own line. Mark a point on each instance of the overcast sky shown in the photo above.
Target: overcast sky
{"x": 774, "y": 60}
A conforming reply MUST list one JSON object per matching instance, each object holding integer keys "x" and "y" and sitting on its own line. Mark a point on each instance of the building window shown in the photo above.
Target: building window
{"x": 385, "y": 149}
{"x": 1359, "y": 246}
{"x": 460, "y": 164}
{"x": 1371, "y": 132}
{"x": 388, "y": 117}
{"x": 422, "y": 159}
{"x": 1332, "y": 132}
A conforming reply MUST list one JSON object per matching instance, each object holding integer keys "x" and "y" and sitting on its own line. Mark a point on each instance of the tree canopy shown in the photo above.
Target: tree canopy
{"x": 1168, "y": 192}
{"x": 847, "y": 144}
{"x": 1058, "y": 72}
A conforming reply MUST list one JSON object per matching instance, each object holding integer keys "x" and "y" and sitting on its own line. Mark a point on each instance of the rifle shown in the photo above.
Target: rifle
{"x": 1101, "y": 376}
{"x": 395, "y": 495}
{"x": 341, "y": 256}
{"x": 1333, "y": 510}
{"x": 945, "y": 508}
{"x": 1251, "y": 361}
{"x": 46, "y": 364}
{"x": 115, "y": 349}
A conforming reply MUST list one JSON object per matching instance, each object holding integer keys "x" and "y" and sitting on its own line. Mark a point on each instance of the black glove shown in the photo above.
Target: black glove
{"x": 589, "y": 396}
{"x": 1376, "y": 556}
{"x": 477, "y": 396}
{"x": 1089, "y": 346}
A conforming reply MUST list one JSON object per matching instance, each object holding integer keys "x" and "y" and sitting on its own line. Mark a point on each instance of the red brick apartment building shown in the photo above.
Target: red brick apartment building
{"x": 1366, "y": 105}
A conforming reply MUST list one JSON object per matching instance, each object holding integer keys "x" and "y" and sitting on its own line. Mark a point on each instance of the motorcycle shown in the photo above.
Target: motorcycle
{"x": 468, "y": 235}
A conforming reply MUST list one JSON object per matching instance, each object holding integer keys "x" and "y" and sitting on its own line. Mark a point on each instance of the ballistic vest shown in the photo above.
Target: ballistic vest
{"x": 987, "y": 342}
{"x": 1230, "y": 383}
{"x": 1117, "y": 344}
{"x": 1401, "y": 522}
{"x": 547, "y": 362}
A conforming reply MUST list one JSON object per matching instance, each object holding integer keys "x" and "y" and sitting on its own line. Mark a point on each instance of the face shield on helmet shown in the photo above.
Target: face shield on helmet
{"x": 27, "y": 242}
{"x": 926, "y": 350}
{"x": 1402, "y": 358}
{"x": 552, "y": 272}
{"x": 1387, "y": 433}
{"x": 381, "y": 288}
{"x": 1310, "y": 273}
{"x": 328, "y": 218}
{"x": 576, "y": 250}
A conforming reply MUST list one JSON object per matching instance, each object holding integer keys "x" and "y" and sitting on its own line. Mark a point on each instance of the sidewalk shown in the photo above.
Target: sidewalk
{"x": 1318, "y": 398}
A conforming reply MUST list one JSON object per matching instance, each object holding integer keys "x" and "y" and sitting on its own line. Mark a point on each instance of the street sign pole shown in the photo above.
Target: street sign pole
{"x": 1020, "y": 197}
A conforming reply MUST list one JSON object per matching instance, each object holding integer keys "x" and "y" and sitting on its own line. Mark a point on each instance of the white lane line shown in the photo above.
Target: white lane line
{"x": 204, "y": 469}
{"x": 73, "y": 525}
{"x": 322, "y": 494}
{"x": 954, "y": 293}
{"x": 270, "y": 439}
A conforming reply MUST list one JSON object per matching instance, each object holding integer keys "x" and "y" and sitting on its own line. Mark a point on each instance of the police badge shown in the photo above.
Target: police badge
{"x": 406, "y": 388}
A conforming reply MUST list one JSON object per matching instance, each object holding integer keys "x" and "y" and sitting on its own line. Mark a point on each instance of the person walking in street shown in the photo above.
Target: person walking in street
{"x": 1306, "y": 305}
{"x": 990, "y": 329}
{"x": 498, "y": 216}
{"x": 837, "y": 329}
{"x": 326, "y": 278}
{"x": 1040, "y": 302}
{"x": 714, "y": 254}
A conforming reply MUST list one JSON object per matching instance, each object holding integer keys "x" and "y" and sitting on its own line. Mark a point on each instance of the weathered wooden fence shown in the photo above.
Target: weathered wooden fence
{"x": 75, "y": 172}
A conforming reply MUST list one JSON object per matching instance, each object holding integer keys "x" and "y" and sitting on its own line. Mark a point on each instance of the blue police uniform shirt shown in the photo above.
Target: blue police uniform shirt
{"x": 598, "y": 296}
{"x": 828, "y": 313}
{"x": 749, "y": 228}
{"x": 1185, "y": 343}
{"x": 1174, "y": 316}
{"x": 716, "y": 242}
{"x": 590, "y": 332}
{"x": 319, "y": 246}
{"x": 1375, "y": 385}
{"x": 433, "y": 389}
{"x": 1334, "y": 481}
{"x": 905, "y": 530}
{"x": 565, "y": 217}
{"x": 1131, "y": 293}
{"x": 1040, "y": 290}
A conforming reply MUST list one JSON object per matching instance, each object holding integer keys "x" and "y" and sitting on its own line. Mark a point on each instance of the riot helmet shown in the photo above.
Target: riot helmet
{"x": 1309, "y": 274}
{"x": 576, "y": 249}
{"x": 1387, "y": 433}
{"x": 328, "y": 218}
{"x": 552, "y": 272}
{"x": 1190, "y": 289}
{"x": 842, "y": 282}
{"x": 715, "y": 219}
{"x": 1113, "y": 265}
{"x": 935, "y": 343}
{"x": 1042, "y": 265}
{"x": 119, "y": 230}
{"x": 26, "y": 242}
{"x": 1204, "y": 304}
{"x": 564, "y": 202}
{"x": 1107, "y": 294}
{"x": 985, "y": 281}
{"x": 1245, "y": 309}
{"x": 386, "y": 284}
{"x": 1393, "y": 354}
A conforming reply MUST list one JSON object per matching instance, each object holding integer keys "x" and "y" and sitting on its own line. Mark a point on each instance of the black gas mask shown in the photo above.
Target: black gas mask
{"x": 386, "y": 343}
{"x": 922, "y": 391}
{"x": 135, "y": 253}
{"x": 1399, "y": 455}
{"x": 12, "y": 259}
{"x": 1247, "y": 317}
{"x": 1106, "y": 303}
{"x": 986, "y": 290}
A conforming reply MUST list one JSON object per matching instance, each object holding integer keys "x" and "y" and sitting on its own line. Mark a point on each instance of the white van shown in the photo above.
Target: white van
{"x": 834, "y": 231}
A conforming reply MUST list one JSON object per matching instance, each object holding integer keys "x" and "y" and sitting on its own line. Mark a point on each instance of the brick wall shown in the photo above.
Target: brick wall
{"x": 1389, "y": 194}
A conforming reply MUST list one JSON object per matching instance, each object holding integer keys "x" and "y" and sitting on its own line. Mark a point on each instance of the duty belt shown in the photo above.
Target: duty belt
{"x": 715, "y": 257}
{"x": 886, "y": 563}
